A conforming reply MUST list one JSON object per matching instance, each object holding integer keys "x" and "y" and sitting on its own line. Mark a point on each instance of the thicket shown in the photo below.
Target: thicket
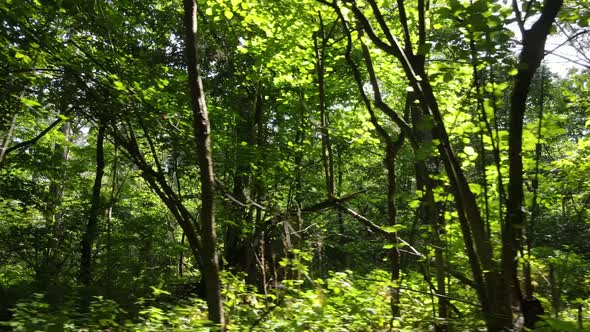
{"x": 294, "y": 165}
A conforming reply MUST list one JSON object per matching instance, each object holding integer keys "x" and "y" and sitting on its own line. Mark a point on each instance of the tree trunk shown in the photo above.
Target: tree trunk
{"x": 7, "y": 138}
{"x": 85, "y": 275}
{"x": 390, "y": 157}
{"x": 240, "y": 247}
{"x": 392, "y": 148}
{"x": 425, "y": 166}
{"x": 555, "y": 291}
{"x": 202, "y": 133}
{"x": 320, "y": 40}
{"x": 530, "y": 59}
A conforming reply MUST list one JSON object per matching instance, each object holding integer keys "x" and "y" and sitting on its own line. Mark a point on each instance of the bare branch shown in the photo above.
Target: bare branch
{"x": 329, "y": 203}
{"x": 404, "y": 22}
{"x": 376, "y": 228}
{"x": 219, "y": 187}
{"x": 518, "y": 15}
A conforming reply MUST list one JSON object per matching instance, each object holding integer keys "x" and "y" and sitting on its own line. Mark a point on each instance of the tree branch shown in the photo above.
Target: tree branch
{"x": 34, "y": 139}
{"x": 518, "y": 14}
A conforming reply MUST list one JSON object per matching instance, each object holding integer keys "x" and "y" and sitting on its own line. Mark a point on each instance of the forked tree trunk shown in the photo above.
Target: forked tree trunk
{"x": 392, "y": 148}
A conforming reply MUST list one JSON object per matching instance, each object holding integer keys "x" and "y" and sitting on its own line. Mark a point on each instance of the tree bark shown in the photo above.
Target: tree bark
{"x": 530, "y": 59}
{"x": 320, "y": 58}
{"x": 392, "y": 148}
{"x": 202, "y": 133}
{"x": 425, "y": 167}
{"x": 85, "y": 275}
{"x": 7, "y": 138}
{"x": 240, "y": 247}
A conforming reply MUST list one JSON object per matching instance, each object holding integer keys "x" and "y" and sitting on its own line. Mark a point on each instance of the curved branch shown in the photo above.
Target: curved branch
{"x": 34, "y": 139}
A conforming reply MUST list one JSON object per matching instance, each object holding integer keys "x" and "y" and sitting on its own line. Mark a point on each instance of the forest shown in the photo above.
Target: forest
{"x": 295, "y": 165}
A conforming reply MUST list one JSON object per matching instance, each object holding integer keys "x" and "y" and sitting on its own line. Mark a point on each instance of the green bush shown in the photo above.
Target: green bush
{"x": 341, "y": 302}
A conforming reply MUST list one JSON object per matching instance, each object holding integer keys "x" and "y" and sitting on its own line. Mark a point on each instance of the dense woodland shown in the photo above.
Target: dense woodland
{"x": 294, "y": 165}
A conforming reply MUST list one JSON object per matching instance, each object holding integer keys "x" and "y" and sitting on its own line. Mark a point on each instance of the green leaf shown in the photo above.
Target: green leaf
{"x": 469, "y": 150}
{"x": 119, "y": 85}
{"x": 475, "y": 188}
{"x": 23, "y": 57}
{"x": 393, "y": 228}
{"x": 156, "y": 291}
{"x": 447, "y": 77}
{"x": 513, "y": 72}
{"x": 228, "y": 14}
{"x": 30, "y": 102}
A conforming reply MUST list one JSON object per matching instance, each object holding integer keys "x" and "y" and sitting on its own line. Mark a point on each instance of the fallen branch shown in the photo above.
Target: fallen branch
{"x": 328, "y": 204}
{"x": 377, "y": 229}
{"x": 318, "y": 207}
{"x": 450, "y": 298}
{"x": 219, "y": 187}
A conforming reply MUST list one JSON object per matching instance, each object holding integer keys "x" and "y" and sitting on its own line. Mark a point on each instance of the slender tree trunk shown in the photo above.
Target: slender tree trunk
{"x": 482, "y": 117}
{"x": 528, "y": 281}
{"x": 555, "y": 291}
{"x": 441, "y": 275}
{"x": 7, "y": 138}
{"x": 258, "y": 268}
{"x": 392, "y": 148}
{"x": 240, "y": 248}
{"x": 530, "y": 59}
{"x": 181, "y": 257}
{"x": 202, "y": 133}
{"x": 85, "y": 275}
{"x": 580, "y": 316}
{"x": 391, "y": 154}
{"x": 115, "y": 187}
{"x": 320, "y": 40}
{"x": 179, "y": 193}
{"x": 429, "y": 213}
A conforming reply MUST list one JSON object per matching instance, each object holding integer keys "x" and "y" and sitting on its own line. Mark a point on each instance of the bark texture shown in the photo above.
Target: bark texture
{"x": 533, "y": 48}
{"x": 202, "y": 133}
{"x": 94, "y": 212}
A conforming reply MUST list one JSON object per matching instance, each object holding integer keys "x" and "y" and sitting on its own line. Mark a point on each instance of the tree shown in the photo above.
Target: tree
{"x": 201, "y": 128}
{"x": 487, "y": 275}
{"x": 367, "y": 164}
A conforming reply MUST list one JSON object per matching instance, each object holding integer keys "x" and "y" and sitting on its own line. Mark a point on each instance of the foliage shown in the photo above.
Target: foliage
{"x": 280, "y": 80}
{"x": 341, "y": 301}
